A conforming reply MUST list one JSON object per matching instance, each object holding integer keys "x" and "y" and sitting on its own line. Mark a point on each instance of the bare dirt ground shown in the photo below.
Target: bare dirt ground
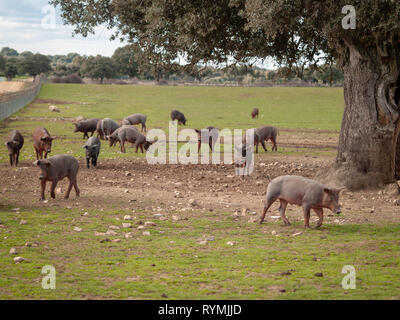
{"x": 132, "y": 184}
{"x": 11, "y": 86}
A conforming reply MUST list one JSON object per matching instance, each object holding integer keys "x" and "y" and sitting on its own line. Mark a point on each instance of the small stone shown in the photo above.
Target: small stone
{"x": 105, "y": 240}
{"x": 319, "y": 274}
{"x": 158, "y": 215}
{"x": 58, "y": 191}
{"x": 128, "y": 174}
{"x": 203, "y": 242}
{"x": 175, "y": 218}
{"x": 77, "y": 229}
{"x": 13, "y": 251}
{"x": 372, "y": 210}
{"x": 162, "y": 218}
{"x": 149, "y": 223}
{"x": 244, "y": 211}
{"x": 86, "y": 214}
{"x": 129, "y": 235}
{"x": 99, "y": 233}
{"x": 140, "y": 228}
{"x": 22, "y": 222}
{"x": 28, "y": 244}
{"x": 111, "y": 233}
{"x": 117, "y": 240}
{"x": 114, "y": 228}
{"x": 128, "y": 217}
{"x": 127, "y": 225}
{"x": 126, "y": 191}
{"x": 259, "y": 183}
{"x": 146, "y": 233}
{"x": 18, "y": 259}
{"x": 273, "y": 232}
{"x": 193, "y": 202}
{"x": 297, "y": 234}
{"x": 231, "y": 243}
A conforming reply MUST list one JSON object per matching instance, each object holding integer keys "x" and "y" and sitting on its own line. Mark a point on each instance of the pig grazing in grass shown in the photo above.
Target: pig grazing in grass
{"x": 130, "y": 134}
{"x": 177, "y": 115}
{"x": 86, "y": 126}
{"x": 106, "y": 127}
{"x": 263, "y": 134}
{"x": 55, "y": 169}
{"x": 92, "y": 147}
{"x": 42, "y": 141}
{"x": 309, "y": 194}
{"x": 254, "y": 113}
{"x": 14, "y": 143}
{"x": 208, "y": 135}
{"x": 134, "y": 119}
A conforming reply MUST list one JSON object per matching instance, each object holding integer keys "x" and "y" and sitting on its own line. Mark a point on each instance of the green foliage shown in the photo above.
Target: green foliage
{"x": 36, "y": 64}
{"x": 11, "y": 68}
{"x": 98, "y": 67}
{"x": 9, "y": 52}
{"x": 124, "y": 61}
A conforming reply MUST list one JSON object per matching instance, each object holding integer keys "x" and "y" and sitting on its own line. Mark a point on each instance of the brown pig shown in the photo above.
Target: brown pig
{"x": 309, "y": 194}
{"x": 254, "y": 113}
{"x": 14, "y": 143}
{"x": 55, "y": 169}
{"x": 42, "y": 141}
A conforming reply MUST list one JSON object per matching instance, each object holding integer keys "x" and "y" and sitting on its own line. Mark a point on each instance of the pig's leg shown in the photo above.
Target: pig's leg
{"x": 92, "y": 133}
{"x": 122, "y": 144}
{"x": 37, "y": 154}
{"x": 11, "y": 160}
{"x": 53, "y": 188}
{"x": 43, "y": 188}
{"x": 306, "y": 212}
{"x": 198, "y": 146}
{"x": 320, "y": 213}
{"x": 87, "y": 162}
{"x": 282, "y": 209}
{"x": 141, "y": 148}
{"x": 210, "y": 144}
{"x": 266, "y": 207}
{"x": 263, "y": 145}
{"x": 17, "y": 158}
{"x": 69, "y": 189}
{"x": 77, "y": 191}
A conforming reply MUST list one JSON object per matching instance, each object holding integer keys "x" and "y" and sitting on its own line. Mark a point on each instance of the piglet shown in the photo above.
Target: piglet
{"x": 177, "y": 115}
{"x": 308, "y": 193}
{"x": 92, "y": 147}
{"x": 14, "y": 143}
{"x": 254, "y": 113}
{"x": 134, "y": 119}
{"x": 55, "y": 169}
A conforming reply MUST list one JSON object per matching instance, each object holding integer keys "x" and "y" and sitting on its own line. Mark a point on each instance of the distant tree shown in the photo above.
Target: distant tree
{"x": 124, "y": 61}
{"x": 2, "y": 64}
{"x": 11, "y": 68}
{"x": 9, "y": 52}
{"x": 36, "y": 64}
{"x": 98, "y": 67}
{"x": 26, "y": 54}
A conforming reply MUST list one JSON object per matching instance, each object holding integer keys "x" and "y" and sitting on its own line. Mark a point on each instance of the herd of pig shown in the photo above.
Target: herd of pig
{"x": 307, "y": 193}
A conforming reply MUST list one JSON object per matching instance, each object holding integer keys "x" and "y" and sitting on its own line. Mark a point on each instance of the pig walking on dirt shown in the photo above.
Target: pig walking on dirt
{"x": 309, "y": 194}
{"x": 55, "y": 169}
{"x": 42, "y": 141}
{"x": 15, "y": 142}
{"x": 177, "y": 115}
{"x": 263, "y": 134}
{"x": 92, "y": 149}
{"x": 254, "y": 113}
{"x": 106, "y": 127}
{"x": 208, "y": 135}
{"x": 86, "y": 126}
{"x": 130, "y": 134}
{"x": 134, "y": 119}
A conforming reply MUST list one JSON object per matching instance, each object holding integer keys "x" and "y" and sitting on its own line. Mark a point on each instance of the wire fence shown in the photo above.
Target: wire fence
{"x": 11, "y": 102}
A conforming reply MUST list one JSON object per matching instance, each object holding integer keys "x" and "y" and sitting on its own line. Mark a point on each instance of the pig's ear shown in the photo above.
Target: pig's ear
{"x": 85, "y": 146}
{"x": 327, "y": 190}
{"x": 197, "y": 130}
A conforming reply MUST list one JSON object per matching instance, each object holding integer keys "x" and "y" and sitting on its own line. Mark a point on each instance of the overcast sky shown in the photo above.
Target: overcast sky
{"x": 21, "y": 28}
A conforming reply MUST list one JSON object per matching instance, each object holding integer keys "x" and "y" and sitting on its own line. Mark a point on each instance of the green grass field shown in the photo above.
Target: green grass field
{"x": 170, "y": 263}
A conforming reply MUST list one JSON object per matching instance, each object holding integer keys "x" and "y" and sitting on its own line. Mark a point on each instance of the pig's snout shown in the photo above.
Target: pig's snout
{"x": 41, "y": 177}
{"x": 338, "y": 211}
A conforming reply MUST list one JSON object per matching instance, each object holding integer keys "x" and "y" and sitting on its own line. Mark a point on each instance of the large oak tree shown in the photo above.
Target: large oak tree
{"x": 289, "y": 31}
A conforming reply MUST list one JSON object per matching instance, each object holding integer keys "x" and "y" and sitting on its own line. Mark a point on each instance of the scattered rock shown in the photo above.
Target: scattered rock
{"x": 149, "y": 223}
{"x": 231, "y": 243}
{"x": 128, "y": 174}
{"x": 319, "y": 274}
{"x": 193, "y": 203}
{"x": 146, "y": 233}
{"x": 128, "y": 217}
{"x": 113, "y": 228}
{"x": 273, "y": 232}
{"x": 86, "y": 214}
{"x": 140, "y": 228}
{"x": 244, "y": 211}
{"x": 54, "y": 109}
{"x": 23, "y": 222}
{"x": 13, "y": 251}
{"x": 77, "y": 229}
{"x": 129, "y": 235}
{"x": 105, "y": 240}
{"x": 372, "y": 210}
{"x": 116, "y": 240}
{"x": 127, "y": 225}
{"x": 203, "y": 242}
{"x": 297, "y": 234}
{"x": 111, "y": 233}
{"x": 18, "y": 259}
{"x": 99, "y": 233}
{"x": 126, "y": 191}
{"x": 175, "y": 218}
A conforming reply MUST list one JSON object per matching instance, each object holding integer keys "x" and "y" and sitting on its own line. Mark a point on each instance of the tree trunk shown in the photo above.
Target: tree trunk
{"x": 369, "y": 148}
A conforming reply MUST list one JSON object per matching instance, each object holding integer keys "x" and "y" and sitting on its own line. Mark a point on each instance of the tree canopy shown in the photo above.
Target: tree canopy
{"x": 36, "y": 64}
